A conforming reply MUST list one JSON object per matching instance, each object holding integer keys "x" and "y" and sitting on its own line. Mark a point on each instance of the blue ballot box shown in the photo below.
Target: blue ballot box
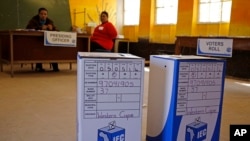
{"x": 185, "y": 98}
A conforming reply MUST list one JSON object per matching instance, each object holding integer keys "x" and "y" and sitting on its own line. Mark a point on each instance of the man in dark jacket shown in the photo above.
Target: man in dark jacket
{"x": 42, "y": 22}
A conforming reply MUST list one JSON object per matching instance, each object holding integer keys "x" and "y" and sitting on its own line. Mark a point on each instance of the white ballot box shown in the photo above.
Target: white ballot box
{"x": 185, "y": 98}
{"x": 109, "y": 96}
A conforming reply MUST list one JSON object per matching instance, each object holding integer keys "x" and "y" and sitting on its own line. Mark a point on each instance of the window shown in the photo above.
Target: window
{"x": 131, "y": 12}
{"x": 166, "y": 11}
{"x": 215, "y": 11}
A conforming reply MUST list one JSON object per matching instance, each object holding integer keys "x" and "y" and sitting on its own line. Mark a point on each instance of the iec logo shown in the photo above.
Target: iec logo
{"x": 239, "y": 132}
{"x": 196, "y": 131}
{"x": 229, "y": 49}
{"x": 111, "y": 133}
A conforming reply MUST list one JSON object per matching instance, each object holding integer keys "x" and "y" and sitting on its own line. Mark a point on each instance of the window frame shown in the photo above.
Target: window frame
{"x": 130, "y": 12}
{"x": 166, "y": 5}
{"x": 210, "y": 21}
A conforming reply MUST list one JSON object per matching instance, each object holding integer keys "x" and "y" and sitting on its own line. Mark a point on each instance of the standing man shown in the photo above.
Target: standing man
{"x": 42, "y": 22}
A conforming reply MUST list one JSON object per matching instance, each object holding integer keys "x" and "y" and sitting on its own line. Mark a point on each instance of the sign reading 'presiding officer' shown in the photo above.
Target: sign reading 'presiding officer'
{"x": 55, "y": 38}
{"x": 215, "y": 47}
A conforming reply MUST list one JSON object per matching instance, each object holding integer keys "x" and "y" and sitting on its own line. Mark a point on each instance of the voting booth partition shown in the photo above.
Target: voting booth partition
{"x": 185, "y": 98}
{"x": 109, "y": 96}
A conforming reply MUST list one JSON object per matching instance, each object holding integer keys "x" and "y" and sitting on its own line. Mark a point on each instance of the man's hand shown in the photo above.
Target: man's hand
{"x": 47, "y": 27}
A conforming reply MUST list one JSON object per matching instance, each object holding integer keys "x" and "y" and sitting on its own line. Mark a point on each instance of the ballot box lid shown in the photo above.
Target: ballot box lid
{"x": 185, "y": 57}
{"x": 107, "y": 55}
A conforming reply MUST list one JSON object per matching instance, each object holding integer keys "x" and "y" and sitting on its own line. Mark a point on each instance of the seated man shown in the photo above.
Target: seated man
{"x": 42, "y": 22}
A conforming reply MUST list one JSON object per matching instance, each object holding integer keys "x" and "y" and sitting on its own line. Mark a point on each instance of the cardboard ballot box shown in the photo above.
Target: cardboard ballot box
{"x": 109, "y": 96}
{"x": 185, "y": 98}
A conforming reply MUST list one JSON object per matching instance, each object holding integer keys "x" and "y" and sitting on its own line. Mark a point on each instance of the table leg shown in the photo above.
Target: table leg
{"x": 1, "y": 63}
{"x": 11, "y": 56}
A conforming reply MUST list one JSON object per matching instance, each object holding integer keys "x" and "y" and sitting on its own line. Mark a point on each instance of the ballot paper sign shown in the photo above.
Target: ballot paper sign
{"x": 109, "y": 96}
{"x": 185, "y": 98}
{"x": 215, "y": 47}
{"x": 55, "y": 38}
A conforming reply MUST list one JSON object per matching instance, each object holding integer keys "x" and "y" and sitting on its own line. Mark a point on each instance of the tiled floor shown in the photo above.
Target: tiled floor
{"x": 42, "y": 106}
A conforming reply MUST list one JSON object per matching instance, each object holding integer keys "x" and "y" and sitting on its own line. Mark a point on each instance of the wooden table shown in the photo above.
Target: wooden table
{"x": 239, "y": 43}
{"x": 28, "y": 47}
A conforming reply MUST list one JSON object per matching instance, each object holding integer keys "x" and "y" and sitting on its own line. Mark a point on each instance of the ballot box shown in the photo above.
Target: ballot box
{"x": 109, "y": 96}
{"x": 185, "y": 98}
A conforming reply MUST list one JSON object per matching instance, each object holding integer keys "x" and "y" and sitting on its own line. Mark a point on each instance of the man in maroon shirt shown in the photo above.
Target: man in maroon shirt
{"x": 103, "y": 36}
{"x": 42, "y": 22}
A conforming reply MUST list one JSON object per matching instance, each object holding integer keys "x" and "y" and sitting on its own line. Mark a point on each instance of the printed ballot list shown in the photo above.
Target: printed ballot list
{"x": 112, "y": 88}
{"x": 199, "y": 88}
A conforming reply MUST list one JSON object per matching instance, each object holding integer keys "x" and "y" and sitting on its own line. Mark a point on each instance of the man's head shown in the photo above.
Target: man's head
{"x": 104, "y": 16}
{"x": 43, "y": 13}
